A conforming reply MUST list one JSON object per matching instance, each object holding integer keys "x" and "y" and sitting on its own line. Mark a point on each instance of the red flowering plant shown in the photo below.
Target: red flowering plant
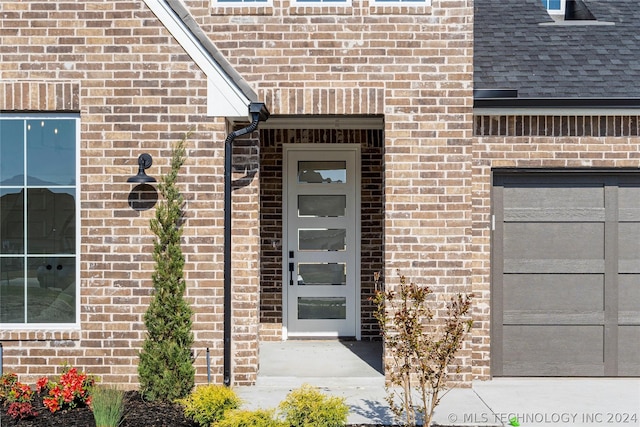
{"x": 71, "y": 390}
{"x": 16, "y": 397}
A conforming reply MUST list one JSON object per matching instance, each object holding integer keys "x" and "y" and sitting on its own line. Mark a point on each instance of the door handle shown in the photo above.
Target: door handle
{"x": 291, "y": 270}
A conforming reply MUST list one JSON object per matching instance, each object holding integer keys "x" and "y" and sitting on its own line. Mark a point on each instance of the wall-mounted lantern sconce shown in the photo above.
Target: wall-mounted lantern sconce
{"x": 144, "y": 162}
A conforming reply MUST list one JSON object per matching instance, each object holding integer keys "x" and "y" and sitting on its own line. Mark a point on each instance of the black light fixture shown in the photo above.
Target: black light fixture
{"x": 144, "y": 162}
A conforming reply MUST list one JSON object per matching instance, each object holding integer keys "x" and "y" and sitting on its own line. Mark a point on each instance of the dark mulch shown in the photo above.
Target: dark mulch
{"x": 138, "y": 413}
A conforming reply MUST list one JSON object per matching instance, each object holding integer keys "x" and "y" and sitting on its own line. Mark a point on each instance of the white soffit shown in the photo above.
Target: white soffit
{"x": 224, "y": 98}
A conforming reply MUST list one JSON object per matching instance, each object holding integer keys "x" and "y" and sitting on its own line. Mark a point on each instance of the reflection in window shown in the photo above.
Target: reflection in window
{"x": 322, "y": 308}
{"x": 322, "y": 172}
{"x": 322, "y": 274}
{"x": 322, "y": 206}
{"x": 322, "y": 239}
{"x": 38, "y": 202}
{"x": 552, "y": 4}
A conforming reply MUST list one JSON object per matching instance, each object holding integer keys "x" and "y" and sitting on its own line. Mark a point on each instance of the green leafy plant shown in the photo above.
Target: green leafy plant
{"x": 308, "y": 407}
{"x": 422, "y": 350}
{"x": 71, "y": 390}
{"x": 107, "y": 405}
{"x": 166, "y": 369}
{"x": 256, "y": 418}
{"x": 16, "y": 397}
{"x": 208, "y": 404}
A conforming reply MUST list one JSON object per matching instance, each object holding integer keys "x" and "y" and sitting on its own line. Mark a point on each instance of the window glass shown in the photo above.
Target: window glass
{"x": 51, "y": 289}
{"x": 12, "y": 289}
{"x": 51, "y": 152}
{"x": 322, "y": 308}
{"x": 552, "y": 4}
{"x": 322, "y": 239}
{"x": 11, "y": 152}
{"x": 322, "y": 274}
{"x": 322, "y": 205}
{"x": 38, "y": 252}
{"x": 51, "y": 220}
{"x": 12, "y": 225}
{"x": 322, "y": 172}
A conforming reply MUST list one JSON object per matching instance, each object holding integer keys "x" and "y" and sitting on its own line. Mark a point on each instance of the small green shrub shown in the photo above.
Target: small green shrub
{"x": 244, "y": 418}
{"x": 108, "y": 406}
{"x": 207, "y": 404}
{"x": 308, "y": 407}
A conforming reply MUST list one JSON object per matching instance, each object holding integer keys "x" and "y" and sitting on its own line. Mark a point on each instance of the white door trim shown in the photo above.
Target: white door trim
{"x": 285, "y": 291}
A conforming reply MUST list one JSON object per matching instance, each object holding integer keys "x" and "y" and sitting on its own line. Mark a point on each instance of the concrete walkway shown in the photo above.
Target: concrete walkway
{"x": 353, "y": 370}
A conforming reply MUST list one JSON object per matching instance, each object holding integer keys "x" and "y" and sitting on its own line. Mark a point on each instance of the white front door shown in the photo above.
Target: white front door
{"x": 322, "y": 245}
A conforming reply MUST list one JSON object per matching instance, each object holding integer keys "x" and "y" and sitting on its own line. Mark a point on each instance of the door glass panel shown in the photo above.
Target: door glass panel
{"x": 330, "y": 172}
{"x": 322, "y": 205}
{"x": 325, "y": 239}
{"x": 322, "y": 274}
{"x": 322, "y": 308}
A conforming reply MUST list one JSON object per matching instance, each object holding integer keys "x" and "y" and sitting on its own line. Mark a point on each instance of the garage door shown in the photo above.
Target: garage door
{"x": 566, "y": 274}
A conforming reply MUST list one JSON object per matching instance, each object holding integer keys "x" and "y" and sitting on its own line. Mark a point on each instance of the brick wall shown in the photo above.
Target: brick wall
{"x": 138, "y": 92}
{"x": 413, "y": 65}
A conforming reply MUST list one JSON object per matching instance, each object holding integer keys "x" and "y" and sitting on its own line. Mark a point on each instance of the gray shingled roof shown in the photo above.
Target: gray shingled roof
{"x": 513, "y": 51}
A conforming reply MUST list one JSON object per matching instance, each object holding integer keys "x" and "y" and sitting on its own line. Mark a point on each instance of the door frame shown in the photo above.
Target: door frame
{"x": 286, "y": 147}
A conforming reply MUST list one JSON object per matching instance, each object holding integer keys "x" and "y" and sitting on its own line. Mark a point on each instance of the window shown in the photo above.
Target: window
{"x": 554, "y": 6}
{"x": 38, "y": 221}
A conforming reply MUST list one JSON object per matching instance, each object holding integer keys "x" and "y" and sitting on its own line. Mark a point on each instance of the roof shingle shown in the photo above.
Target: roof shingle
{"x": 513, "y": 51}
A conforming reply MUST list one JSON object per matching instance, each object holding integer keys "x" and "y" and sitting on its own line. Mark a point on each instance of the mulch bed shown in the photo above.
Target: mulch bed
{"x": 138, "y": 413}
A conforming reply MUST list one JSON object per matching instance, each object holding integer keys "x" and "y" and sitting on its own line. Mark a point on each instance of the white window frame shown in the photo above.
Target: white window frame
{"x": 56, "y": 326}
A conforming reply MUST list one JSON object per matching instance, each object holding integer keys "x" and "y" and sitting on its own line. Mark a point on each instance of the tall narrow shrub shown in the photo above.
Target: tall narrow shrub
{"x": 166, "y": 369}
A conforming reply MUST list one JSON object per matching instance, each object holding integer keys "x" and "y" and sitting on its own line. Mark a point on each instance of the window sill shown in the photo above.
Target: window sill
{"x": 391, "y": 8}
{"x": 67, "y": 334}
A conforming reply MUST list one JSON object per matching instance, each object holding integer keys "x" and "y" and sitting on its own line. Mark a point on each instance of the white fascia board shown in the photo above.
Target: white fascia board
{"x": 224, "y": 98}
